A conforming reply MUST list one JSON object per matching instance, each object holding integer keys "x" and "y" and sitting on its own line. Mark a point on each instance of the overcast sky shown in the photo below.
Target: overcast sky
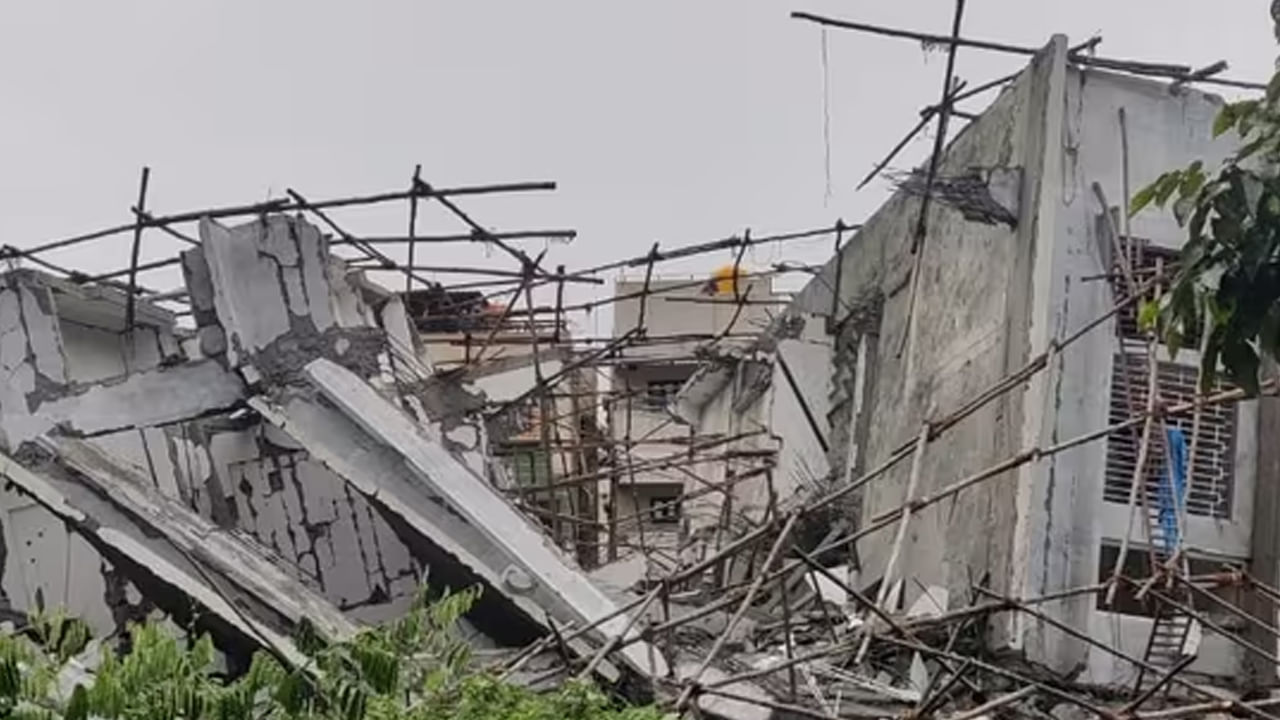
{"x": 669, "y": 120}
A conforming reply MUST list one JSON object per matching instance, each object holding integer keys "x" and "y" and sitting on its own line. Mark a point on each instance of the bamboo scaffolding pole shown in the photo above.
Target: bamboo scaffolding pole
{"x": 279, "y": 205}
{"x": 1150, "y": 692}
{"x": 886, "y": 582}
{"x": 1227, "y": 634}
{"x": 774, "y": 551}
{"x": 469, "y": 237}
{"x": 1006, "y": 673}
{"x": 608, "y": 647}
{"x": 996, "y": 703}
{"x": 131, "y": 296}
{"x": 789, "y": 708}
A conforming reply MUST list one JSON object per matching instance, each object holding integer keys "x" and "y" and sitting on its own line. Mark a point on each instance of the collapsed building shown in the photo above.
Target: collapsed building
{"x": 269, "y": 465}
{"x": 950, "y": 475}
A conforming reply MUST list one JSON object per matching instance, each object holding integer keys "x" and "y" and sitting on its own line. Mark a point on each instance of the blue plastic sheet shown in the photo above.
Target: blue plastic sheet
{"x": 1173, "y": 482}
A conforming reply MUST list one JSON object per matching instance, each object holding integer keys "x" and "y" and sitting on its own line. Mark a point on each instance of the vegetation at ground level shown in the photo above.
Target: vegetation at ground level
{"x": 416, "y": 668}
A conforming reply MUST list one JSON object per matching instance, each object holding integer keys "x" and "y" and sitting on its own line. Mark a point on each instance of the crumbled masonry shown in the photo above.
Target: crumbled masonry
{"x": 931, "y": 482}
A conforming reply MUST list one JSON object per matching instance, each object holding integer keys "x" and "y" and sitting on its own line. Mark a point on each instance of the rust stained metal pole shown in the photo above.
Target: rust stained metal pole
{"x": 131, "y": 300}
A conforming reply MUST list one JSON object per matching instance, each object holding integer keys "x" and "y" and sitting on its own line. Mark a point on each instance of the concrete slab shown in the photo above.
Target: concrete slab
{"x": 147, "y": 399}
{"x": 230, "y": 555}
{"x": 156, "y": 563}
{"x": 468, "y": 517}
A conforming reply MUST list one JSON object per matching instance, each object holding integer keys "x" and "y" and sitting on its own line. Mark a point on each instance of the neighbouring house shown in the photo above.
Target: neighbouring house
{"x": 542, "y": 464}
{"x": 679, "y": 317}
{"x": 1021, "y": 250}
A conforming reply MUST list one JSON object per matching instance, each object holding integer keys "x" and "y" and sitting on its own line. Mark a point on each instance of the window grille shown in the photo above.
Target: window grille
{"x": 1211, "y": 478}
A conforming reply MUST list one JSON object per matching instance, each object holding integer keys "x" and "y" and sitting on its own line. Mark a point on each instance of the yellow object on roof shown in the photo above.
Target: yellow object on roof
{"x": 723, "y": 280}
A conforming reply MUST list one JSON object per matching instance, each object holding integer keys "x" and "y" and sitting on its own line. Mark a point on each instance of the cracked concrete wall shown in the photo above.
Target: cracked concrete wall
{"x": 249, "y": 476}
{"x": 269, "y": 297}
{"x": 970, "y": 318}
{"x": 45, "y": 564}
{"x": 318, "y": 524}
{"x": 31, "y": 355}
{"x": 989, "y": 299}
{"x": 73, "y": 370}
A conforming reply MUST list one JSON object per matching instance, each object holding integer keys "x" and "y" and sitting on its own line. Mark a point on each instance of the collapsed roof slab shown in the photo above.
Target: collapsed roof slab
{"x": 127, "y": 544}
{"x": 387, "y": 456}
{"x": 455, "y": 553}
{"x": 231, "y": 555}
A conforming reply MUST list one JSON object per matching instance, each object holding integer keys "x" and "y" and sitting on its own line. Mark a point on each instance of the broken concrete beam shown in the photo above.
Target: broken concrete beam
{"x": 129, "y": 546}
{"x": 535, "y": 564}
{"x": 230, "y": 555}
{"x": 456, "y": 553}
{"x": 264, "y": 277}
{"x": 382, "y": 452}
{"x": 269, "y": 297}
{"x": 156, "y": 397}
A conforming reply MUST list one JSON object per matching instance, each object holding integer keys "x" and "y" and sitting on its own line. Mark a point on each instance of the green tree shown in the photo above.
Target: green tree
{"x": 1225, "y": 297}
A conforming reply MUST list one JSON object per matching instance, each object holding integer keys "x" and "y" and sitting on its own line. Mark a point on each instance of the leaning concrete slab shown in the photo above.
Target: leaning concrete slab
{"x": 229, "y": 554}
{"x": 155, "y": 561}
{"x": 449, "y": 503}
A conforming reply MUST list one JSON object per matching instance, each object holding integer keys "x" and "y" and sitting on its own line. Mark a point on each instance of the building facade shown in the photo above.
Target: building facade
{"x": 1021, "y": 251}
{"x": 643, "y": 498}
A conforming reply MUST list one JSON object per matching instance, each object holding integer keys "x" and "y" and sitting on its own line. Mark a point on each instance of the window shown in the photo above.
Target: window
{"x": 659, "y": 393}
{"x": 529, "y": 468}
{"x": 1146, "y": 258}
{"x": 664, "y": 509}
{"x": 1211, "y": 475}
{"x": 1137, "y": 567}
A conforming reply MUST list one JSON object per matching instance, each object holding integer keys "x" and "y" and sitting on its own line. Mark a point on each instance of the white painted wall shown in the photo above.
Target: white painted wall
{"x": 1165, "y": 129}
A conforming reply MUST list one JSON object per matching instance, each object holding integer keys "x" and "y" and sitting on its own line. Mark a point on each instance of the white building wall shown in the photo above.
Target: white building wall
{"x": 1166, "y": 129}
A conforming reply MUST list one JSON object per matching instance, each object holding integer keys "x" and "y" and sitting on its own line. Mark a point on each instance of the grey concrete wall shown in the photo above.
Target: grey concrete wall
{"x": 965, "y": 339}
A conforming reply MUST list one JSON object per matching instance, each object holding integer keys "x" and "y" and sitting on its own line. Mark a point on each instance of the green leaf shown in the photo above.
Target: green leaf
{"x": 1182, "y": 209}
{"x": 78, "y": 706}
{"x": 1142, "y": 199}
{"x": 1226, "y": 119}
{"x": 1166, "y": 185}
{"x": 1148, "y": 313}
{"x": 308, "y": 639}
{"x": 1242, "y": 365}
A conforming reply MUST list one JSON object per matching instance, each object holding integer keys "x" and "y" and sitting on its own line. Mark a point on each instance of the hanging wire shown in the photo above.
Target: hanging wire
{"x": 826, "y": 120}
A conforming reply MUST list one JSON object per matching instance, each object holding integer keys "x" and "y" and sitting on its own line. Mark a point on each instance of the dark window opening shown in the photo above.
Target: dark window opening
{"x": 1137, "y": 567}
{"x": 664, "y": 509}
{"x": 1146, "y": 259}
{"x": 659, "y": 393}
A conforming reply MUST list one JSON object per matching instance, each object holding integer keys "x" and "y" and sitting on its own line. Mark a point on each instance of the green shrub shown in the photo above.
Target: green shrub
{"x": 415, "y": 668}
